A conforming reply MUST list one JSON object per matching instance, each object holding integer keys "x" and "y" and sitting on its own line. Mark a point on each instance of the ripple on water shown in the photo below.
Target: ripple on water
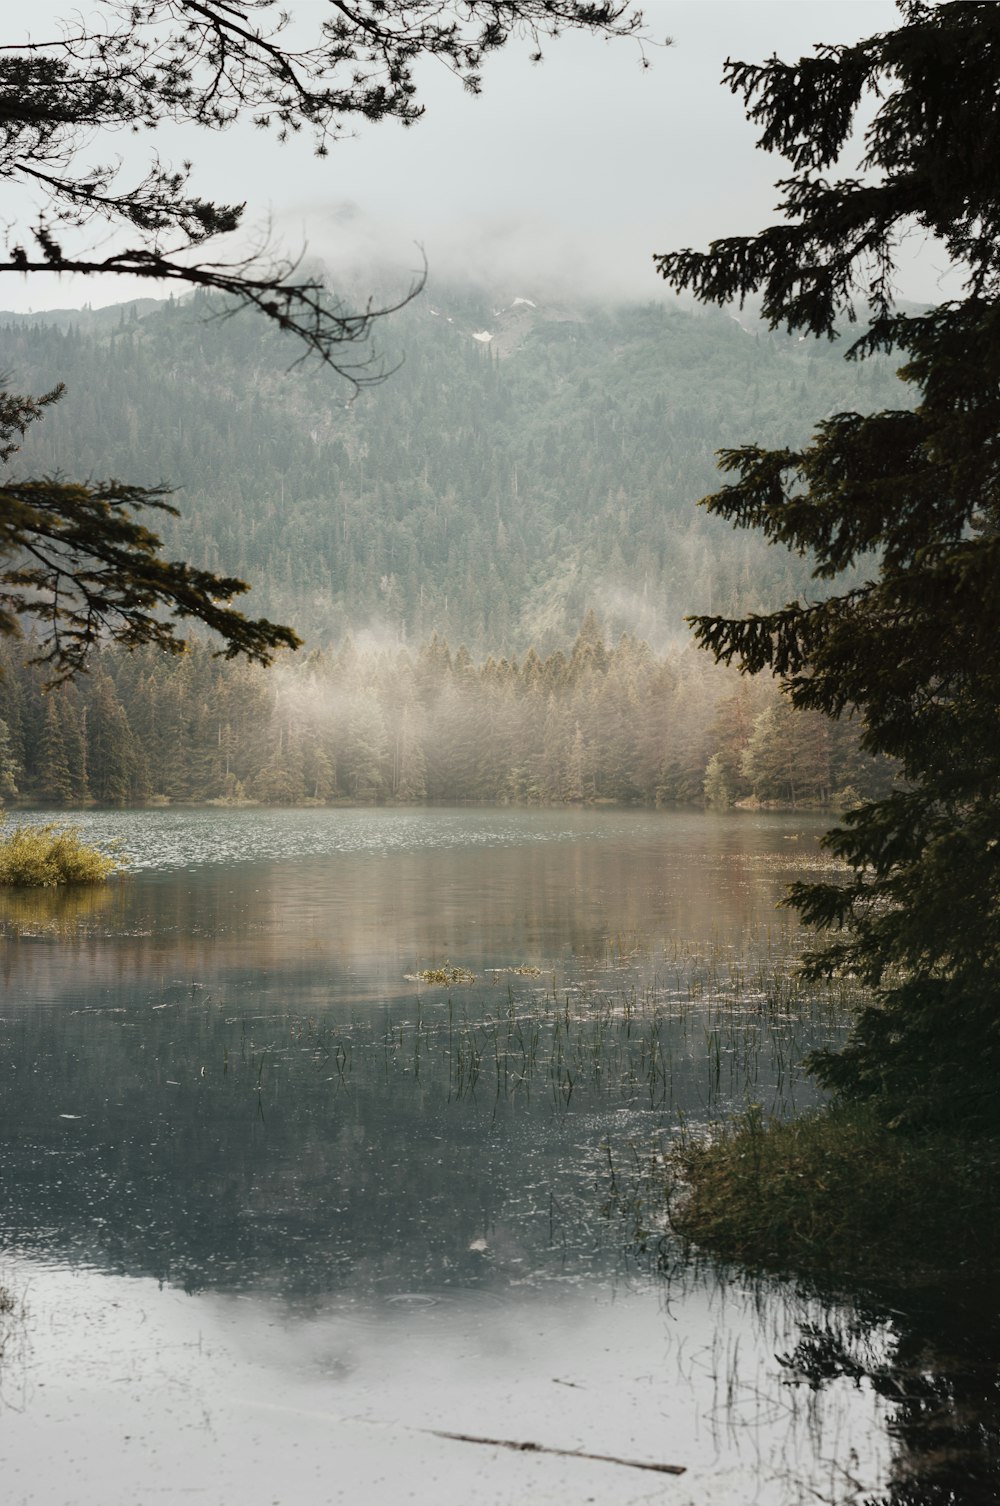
{"x": 167, "y": 839}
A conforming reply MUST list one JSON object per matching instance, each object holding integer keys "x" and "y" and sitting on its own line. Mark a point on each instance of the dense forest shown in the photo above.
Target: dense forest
{"x": 523, "y": 465}
{"x": 599, "y": 723}
{"x": 525, "y": 462}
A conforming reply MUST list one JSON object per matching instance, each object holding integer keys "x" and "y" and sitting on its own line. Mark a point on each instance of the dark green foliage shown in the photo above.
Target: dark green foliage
{"x": 837, "y": 1195}
{"x": 931, "y": 155}
{"x": 9, "y": 767}
{"x": 75, "y": 560}
{"x": 913, "y": 648}
{"x": 113, "y": 758}
{"x": 54, "y": 780}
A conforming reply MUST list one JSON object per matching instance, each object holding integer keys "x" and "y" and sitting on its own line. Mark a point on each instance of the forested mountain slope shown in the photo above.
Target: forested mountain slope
{"x": 491, "y": 489}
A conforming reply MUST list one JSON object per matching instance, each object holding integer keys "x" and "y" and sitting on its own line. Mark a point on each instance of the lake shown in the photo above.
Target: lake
{"x": 279, "y": 1214}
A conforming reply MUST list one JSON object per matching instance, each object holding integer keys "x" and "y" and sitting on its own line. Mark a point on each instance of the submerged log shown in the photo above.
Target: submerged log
{"x": 566, "y": 1453}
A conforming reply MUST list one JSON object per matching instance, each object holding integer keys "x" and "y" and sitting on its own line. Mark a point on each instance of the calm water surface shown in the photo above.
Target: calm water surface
{"x": 280, "y": 1214}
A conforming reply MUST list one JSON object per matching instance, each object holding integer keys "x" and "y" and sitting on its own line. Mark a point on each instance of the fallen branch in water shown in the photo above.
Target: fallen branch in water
{"x": 567, "y": 1453}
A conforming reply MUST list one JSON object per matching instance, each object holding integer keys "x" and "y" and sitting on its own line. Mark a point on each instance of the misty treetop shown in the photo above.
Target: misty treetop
{"x": 489, "y": 491}
{"x": 596, "y": 723}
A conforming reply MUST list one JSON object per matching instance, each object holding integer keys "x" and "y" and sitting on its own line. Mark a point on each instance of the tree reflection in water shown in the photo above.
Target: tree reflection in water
{"x": 939, "y": 1374}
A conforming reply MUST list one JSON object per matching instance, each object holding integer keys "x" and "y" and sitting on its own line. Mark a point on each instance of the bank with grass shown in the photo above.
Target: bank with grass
{"x": 838, "y": 1195}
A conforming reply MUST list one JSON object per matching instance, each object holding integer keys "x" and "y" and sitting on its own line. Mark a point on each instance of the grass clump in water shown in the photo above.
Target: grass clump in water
{"x": 42, "y": 857}
{"x": 836, "y": 1193}
{"x": 442, "y": 975}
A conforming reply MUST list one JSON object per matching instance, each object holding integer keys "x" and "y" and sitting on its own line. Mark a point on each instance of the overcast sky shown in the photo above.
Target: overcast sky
{"x": 571, "y": 173}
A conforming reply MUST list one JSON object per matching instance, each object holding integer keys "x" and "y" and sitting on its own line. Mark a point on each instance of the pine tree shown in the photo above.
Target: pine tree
{"x": 719, "y": 793}
{"x": 552, "y": 759}
{"x": 497, "y": 734}
{"x": 9, "y": 770}
{"x": 589, "y": 650}
{"x": 913, "y": 494}
{"x": 787, "y": 756}
{"x": 111, "y": 754}
{"x": 574, "y": 788}
{"x": 53, "y": 780}
{"x": 73, "y": 719}
{"x": 320, "y": 769}
{"x": 282, "y": 779}
{"x": 367, "y": 744}
{"x": 730, "y": 735}
{"x": 411, "y": 775}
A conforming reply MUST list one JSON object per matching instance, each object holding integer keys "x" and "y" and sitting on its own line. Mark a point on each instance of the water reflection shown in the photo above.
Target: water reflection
{"x": 240, "y": 1397}
{"x": 321, "y": 1195}
{"x": 938, "y": 1371}
{"x": 217, "y": 1140}
{"x": 60, "y": 911}
{"x": 576, "y": 889}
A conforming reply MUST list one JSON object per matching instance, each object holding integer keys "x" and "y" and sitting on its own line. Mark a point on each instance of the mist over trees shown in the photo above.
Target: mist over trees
{"x": 138, "y": 65}
{"x": 612, "y": 723}
{"x": 486, "y": 498}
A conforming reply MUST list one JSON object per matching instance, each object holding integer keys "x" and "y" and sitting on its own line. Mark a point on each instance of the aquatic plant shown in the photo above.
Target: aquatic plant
{"x": 445, "y": 974}
{"x": 41, "y": 857}
{"x": 522, "y": 970}
{"x": 13, "y": 1313}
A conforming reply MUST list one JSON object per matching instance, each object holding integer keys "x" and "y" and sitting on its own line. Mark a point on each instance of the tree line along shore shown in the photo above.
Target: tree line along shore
{"x": 597, "y": 723}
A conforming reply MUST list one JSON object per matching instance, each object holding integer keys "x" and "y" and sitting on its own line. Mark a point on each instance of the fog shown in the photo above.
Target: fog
{"x": 564, "y": 176}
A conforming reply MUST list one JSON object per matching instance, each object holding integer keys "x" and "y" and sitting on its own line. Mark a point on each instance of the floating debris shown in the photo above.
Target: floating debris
{"x": 565, "y": 1453}
{"x": 441, "y": 975}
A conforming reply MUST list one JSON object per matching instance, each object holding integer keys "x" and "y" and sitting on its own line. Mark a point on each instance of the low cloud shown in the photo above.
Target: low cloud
{"x": 505, "y": 255}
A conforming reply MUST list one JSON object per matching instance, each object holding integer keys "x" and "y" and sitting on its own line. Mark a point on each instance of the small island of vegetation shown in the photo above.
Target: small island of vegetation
{"x": 44, "y": 857}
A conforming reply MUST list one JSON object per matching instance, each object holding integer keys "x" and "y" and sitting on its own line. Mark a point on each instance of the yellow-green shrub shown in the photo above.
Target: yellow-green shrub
{"x": 44, "y": 856}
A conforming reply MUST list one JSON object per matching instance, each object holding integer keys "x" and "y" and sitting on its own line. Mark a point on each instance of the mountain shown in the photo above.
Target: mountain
{"x": 525, "y": 461}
